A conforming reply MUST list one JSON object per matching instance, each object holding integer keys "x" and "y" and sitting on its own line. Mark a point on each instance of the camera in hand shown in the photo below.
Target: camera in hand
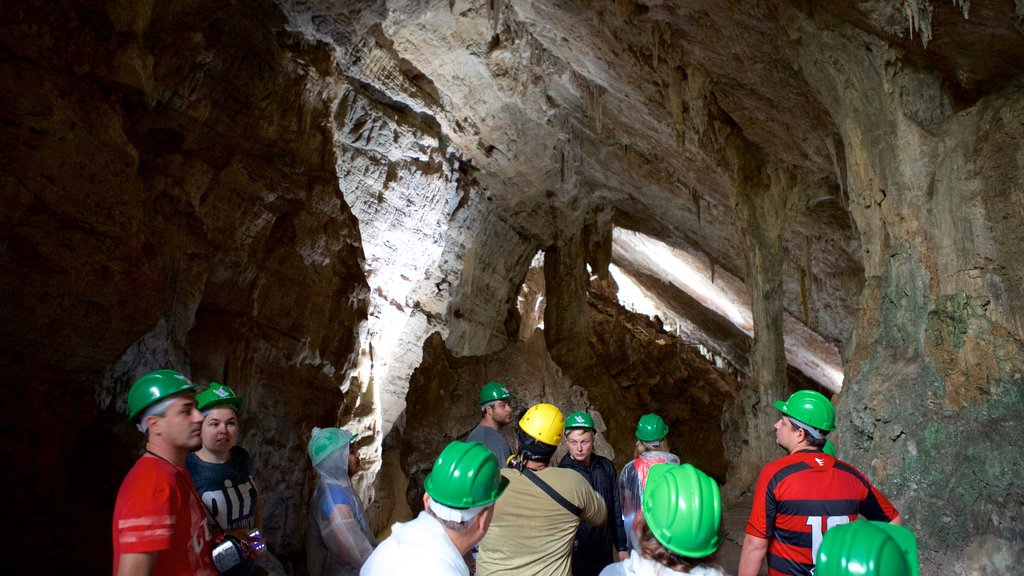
{"x": 233, "y": 556}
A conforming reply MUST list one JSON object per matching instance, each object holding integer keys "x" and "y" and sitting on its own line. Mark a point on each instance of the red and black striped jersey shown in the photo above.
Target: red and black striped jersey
{"x": 799, "y": 497}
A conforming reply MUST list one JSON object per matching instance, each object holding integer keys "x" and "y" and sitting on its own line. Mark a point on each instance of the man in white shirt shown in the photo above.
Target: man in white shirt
{"x": 458, "y": 506}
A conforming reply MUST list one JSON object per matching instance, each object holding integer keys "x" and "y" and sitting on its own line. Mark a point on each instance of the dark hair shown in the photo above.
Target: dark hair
{"x": 649, "y": 547}
{"x": 533, "y": 449}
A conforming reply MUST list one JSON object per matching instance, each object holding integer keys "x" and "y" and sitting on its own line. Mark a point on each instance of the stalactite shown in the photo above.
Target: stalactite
{"x": 919, "y": 16}
{"x": 494, "y": 8}
{"x": 568, "y": 146}
{"x": 655, "y": 43}
{"x": 593, "y": 103}
{"x": 677, "y": 105}
{"x": 809, "y": 292}
{"x": 698, "y": 83}
{"x": 803, "y": 295}
{"x": 627, "y": 153}
{"x": 695, "y": 196}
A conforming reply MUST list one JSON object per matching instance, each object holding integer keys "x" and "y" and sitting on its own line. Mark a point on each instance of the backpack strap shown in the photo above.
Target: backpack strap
{"x": 572, "y": 508}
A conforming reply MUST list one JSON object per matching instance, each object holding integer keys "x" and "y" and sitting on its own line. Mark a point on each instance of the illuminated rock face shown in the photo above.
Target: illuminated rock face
{"x": 292, "y": 197}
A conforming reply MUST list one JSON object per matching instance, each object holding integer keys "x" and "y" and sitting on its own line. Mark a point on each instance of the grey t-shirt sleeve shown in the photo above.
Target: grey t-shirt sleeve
{"x": 494, "y": 442}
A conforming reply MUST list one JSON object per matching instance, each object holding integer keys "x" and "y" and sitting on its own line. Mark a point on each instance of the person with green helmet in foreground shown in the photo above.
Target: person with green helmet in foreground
{"x": 496, "y": 414}
{"x": 159, "y": 524}
{"x": 223, "y": 471}
{"x": 866, "y": 548}
{"x": 339, "y": 539}
{"x": 651, "y": 448}
{"x": 592, "y": 549}
{"x": 536, "y": 519}
{"x": 678, "y": 525}
{"x": 458, "y": 506}
{"x": 801, "y": 496}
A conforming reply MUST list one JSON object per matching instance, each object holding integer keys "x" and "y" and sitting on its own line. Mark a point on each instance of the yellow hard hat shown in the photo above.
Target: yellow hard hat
{"x": 544, "y": 423}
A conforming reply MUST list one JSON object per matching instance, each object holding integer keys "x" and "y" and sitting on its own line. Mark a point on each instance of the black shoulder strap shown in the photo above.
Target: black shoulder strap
{"x": 572, "y": 508}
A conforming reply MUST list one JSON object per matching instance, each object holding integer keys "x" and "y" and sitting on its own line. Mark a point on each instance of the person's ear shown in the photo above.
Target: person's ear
{"x": 153, "y": 424}
{"x": 426, "y": 500}
{"x": 482, "y": 521}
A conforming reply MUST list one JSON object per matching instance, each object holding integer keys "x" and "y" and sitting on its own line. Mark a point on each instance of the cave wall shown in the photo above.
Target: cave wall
{"x": 933, "y": 380}
{"x": 224, "y": 189}
{"x": 168, "y": 201}
{"x": 642, "y": 368}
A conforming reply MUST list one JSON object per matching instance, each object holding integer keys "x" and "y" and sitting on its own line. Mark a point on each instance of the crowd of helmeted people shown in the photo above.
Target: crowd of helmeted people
{"x": 191, "y": 504}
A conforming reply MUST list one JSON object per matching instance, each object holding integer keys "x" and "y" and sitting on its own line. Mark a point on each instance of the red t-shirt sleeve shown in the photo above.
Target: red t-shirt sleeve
{"x": 147, "y": 519}
{"x": 877, "y": 507}
{"x": 757, "y": 524}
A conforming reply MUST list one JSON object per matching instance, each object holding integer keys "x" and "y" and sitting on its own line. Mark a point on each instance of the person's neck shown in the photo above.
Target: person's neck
{"x": 175, "y": 456}
{"x": 463, "y": 541}
{"x": 214, "y": 457}
{"x": 489, "y": 422}
{"x": 801, "y": 446}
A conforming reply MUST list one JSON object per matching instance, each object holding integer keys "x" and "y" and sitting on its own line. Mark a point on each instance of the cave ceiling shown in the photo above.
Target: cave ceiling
{"x": 562, "y": 109}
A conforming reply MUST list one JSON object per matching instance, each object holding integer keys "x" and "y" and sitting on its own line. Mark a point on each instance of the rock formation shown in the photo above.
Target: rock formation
{"x": 336, "y": 208}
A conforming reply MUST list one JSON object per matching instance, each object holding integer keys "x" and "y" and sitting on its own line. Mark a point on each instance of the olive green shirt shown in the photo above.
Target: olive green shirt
{"x": 531, "y": 533}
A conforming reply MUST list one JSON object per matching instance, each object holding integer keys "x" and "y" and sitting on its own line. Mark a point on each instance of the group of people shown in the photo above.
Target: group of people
{"x": 494, "y": 509}
{"x": 190, "y": 504}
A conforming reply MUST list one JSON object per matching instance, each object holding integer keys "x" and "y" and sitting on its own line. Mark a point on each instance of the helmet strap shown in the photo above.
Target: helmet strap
{"x": 810, "y": 430}
{"x": 454, "y": 514}
{"x": 532, "y": 449}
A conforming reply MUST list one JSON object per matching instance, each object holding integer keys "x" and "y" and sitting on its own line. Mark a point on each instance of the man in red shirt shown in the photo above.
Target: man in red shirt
{"x": 159, "y": 523}
{"x": 800, "y": 496}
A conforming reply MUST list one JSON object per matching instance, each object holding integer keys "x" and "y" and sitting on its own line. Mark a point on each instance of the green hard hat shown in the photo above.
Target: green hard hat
{"x": 323, "y": 441}
{"x": 217, "y": 394}
{"x": 683, "y": 508}
{"x": 493, "y": 391}
{"x": 579, "y": 421}
{"x": 829, "y": 448}
{"x": 651, "y": 428}
{"x": 465, "y": 475}
{"x": 154, "y": 387}
{"x": 867, "y": 548}
{"x": 811, "y": 408}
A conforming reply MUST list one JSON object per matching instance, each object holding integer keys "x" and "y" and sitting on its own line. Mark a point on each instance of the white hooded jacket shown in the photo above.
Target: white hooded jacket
{"x": 420, "y": 547}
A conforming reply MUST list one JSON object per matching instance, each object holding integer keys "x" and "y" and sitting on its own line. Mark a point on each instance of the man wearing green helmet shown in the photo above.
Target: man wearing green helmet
{"x": 339, "y": 539}
{"x": 159, "y": 523}
{"x": 801, "y": 496}
{"x": 651, "y": 448}
{"x": 496, "y": 413}
{"x": 461, "y": 490}
{"x": 678, "y": 525}
{"x": 536, "y": 520}
{"x": 592, "y": 549}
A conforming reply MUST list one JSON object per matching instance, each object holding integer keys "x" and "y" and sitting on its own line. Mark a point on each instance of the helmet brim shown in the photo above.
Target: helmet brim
{"x": 137, "y": 416}
{"x": 235, "y": 401}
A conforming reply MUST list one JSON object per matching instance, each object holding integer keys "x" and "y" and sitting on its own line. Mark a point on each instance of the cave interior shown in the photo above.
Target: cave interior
{"x": 358, "y": 212}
